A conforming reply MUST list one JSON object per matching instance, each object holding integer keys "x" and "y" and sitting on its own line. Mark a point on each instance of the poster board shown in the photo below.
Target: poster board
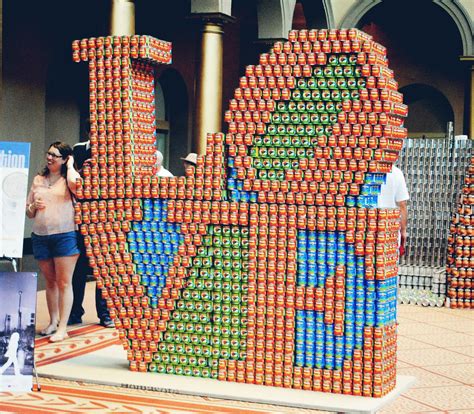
{"x": 14, "y": 165}
{"x": 17, "y": 330}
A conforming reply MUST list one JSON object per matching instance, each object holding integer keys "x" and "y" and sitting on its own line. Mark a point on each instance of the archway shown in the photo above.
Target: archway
{"x": 429, "y": 110}
{"x": 418, "y": 50}
{"x": 318, "y": 14}
{"x": 459, "y": 16}
{"x": 274, "y": 18}
{"x": 172, "y": 119}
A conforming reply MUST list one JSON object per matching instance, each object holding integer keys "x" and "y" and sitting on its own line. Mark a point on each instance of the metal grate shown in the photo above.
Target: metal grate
{"x": 434, "y": 169}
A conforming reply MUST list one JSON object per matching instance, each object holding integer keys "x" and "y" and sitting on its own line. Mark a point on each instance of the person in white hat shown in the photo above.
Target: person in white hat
{"x": 160, "y": 170}
{"x": 191, "y": 159}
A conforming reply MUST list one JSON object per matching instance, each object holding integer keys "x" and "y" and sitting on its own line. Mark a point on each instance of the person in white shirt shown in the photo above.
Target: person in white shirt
{"x": 160, "y": 170}
{"x": 191, "y": 159}
{"x": 393, "y": 194}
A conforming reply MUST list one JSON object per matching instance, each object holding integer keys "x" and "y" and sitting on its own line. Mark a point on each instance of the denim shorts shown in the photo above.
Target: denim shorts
{"x": 54, "y": 245}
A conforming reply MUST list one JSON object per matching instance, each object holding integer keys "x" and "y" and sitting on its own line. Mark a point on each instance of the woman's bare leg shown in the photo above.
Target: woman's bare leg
{"x": 48, "y": 269}
{"x": 64, "y": 270}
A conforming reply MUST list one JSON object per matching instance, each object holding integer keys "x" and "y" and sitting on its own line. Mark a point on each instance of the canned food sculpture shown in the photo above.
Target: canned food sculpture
{"x": 268, "y": 262}
{"x": 460, "y": 266}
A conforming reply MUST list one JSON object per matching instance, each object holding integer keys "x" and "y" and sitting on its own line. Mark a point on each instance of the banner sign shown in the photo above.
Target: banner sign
{"x": 17, "y": 330}
{"x": 14, "y": 165}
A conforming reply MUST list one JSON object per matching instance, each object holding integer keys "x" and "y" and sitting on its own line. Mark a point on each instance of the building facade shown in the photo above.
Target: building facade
{"x": 44, "y": 95}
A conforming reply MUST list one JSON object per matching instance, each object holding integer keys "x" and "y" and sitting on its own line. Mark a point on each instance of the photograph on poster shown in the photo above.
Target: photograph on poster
{"x": 17, "y": 330}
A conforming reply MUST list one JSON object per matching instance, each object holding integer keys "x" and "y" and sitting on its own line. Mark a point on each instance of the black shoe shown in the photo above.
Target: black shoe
{"x": 74, "y": 320}
{"x": 106, "y": 322}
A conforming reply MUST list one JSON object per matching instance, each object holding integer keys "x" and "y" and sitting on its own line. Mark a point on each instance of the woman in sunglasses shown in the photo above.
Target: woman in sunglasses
{"x": 50, "y": 205}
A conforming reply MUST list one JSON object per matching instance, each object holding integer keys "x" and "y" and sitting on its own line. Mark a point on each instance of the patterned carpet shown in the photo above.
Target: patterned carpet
{"x": 59, "y": 396}
{"x": 81, "y": 341}
{"x": 436, "y": 345}
{"x": 72, "y": 397}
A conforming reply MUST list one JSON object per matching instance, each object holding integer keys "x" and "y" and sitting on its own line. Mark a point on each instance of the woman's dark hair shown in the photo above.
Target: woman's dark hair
{"x": 65, "y": 150}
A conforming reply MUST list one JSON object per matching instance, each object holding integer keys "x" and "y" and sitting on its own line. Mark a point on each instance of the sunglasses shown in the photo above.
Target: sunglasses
{"x": 52, "y": 154}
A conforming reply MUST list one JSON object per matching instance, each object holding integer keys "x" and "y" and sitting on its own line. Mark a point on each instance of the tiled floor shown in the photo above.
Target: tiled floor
{"x": 436, "y": 345}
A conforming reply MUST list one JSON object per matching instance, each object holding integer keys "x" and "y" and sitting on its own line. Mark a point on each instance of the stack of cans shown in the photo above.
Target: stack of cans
{"x": 268, "y": 263}
{"x": 327, "y": 130}
{"x": 122, "y": 113}
{"x": 460, "y": 261}
{"x": 342, "y": 296}
{"x": 424, "y": 162}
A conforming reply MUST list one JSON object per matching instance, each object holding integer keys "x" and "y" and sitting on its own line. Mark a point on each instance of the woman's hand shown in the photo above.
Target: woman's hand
{"x": 38, "y": 204}
{"x": 86, "y": 163}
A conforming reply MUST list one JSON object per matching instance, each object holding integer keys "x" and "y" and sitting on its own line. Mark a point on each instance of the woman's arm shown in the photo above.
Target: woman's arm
{"x": 30, "y": 205}
{"x": 30, "y": 210}
{"x": 402, "y": 205}
{"x": 72, "y": 175}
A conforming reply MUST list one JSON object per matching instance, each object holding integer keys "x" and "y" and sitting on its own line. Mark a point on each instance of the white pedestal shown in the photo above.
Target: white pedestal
{"x": 109, "y": 366}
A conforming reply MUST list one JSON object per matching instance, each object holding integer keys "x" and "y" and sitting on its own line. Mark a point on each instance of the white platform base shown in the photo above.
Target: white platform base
{"x": 109, "y": 366}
